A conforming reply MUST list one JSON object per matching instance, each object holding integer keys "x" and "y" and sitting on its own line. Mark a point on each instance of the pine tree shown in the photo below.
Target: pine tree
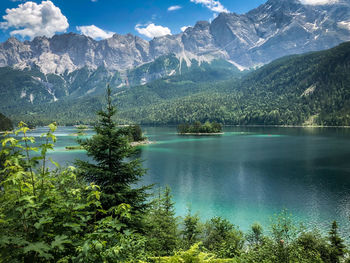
{"x": 337, "y": 244}
{"x": 162, "y": 225}
{"x": 191, "y": 229}
{"x": 170, "y": 225}
{"x": 223, "y": 238}
{"x": 255, "y": 236}
{"x": 114, "y": 167}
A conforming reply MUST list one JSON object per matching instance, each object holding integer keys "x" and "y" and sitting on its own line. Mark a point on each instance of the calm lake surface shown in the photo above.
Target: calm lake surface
{"x": 248, "y": 174}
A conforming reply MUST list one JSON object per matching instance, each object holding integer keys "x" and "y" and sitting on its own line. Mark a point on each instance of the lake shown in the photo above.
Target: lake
{"x": 248, "y": 174}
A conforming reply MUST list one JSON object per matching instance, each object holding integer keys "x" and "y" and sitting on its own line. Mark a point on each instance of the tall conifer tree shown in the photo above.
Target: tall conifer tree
{"x": 337, "y": 244}
{"x": 191, "y": 229}
{"x": 114, "y": 167}
{"x": 162, "y": 225}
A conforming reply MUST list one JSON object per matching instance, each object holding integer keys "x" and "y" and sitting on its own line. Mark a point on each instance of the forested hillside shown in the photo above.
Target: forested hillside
{"x": 5, "y": 123}
{"x": 81, "y": 109}
{"x": 303, "y": 89}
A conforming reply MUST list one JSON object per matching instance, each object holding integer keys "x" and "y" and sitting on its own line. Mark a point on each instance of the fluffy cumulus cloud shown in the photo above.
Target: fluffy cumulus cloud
{"x": 31, "y": 19}
{"x": 213, "y": 5}
{"x": 184, "y": 28}
{"x": 174, "y": 8}
{"x": 94, "y": 32}
{"x": 152, "y": 30}
{"x": 318, "y": 2}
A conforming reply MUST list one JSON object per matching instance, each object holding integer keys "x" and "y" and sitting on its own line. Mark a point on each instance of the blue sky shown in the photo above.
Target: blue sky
{"x": 102, "y": 18}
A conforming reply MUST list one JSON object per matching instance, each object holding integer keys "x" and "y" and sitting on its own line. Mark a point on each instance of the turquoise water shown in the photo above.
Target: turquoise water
{"x": 248, "y": 174}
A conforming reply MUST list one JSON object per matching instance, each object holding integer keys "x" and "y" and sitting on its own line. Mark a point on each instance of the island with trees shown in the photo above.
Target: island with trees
{"x": 197, "y": 128}
{"x": 135, "y": 135}
{"x": 81, "y": 130}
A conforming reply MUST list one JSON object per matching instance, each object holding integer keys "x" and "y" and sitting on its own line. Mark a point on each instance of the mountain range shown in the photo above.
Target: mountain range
{"x": 274, "y": 29}
{"x": 68, "y": 69}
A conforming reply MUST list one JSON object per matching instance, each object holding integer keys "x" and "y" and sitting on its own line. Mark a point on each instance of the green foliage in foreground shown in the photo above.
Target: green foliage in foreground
{"x": 52, "y": 216}
{"x": 198, "y": 127}
{"x": 193, "y": 255}
{"x": 57, "y": 216}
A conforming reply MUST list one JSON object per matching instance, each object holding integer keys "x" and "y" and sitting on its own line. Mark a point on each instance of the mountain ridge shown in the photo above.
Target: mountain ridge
{"x": 272, "y": 30}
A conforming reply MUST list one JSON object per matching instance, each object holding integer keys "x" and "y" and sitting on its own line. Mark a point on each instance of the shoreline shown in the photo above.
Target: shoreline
{"x": 142, "y": 143}
{"x": 228, "y": 125}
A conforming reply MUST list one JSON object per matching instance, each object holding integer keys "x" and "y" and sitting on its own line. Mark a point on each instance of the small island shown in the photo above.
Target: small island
{"x": 81, "y": 130}
{"x": 197, "y": 128}
{"x": 135, "y": 135}
{"x": 132, "y": 132}
{"x": 74, "y": 148}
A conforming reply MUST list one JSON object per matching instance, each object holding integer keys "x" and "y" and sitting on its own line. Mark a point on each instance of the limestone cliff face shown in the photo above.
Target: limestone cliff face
{"x": 274, "y": 29}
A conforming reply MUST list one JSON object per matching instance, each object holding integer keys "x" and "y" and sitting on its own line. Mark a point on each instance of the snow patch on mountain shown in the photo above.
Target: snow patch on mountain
{"x": 344, "y": 24}
{"x": 31, "y": 98}
{"x": 240, "y": 67}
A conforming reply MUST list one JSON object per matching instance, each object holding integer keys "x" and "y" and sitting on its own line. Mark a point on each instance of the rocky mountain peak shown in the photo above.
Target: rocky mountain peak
{"x": 201, "y": 25}
{"x": 276, "y": 28}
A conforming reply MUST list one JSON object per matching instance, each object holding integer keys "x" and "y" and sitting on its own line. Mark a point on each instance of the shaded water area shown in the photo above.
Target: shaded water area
{"x": 248, "y": 174}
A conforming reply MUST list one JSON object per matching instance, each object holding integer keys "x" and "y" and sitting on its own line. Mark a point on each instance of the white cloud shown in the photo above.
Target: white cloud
{"x": 184, "y": 28}
{"x": 95, "y": 32}
{"x": 174, "y": 8}
{"x": 213, "y": 5}
{"x": 31, "y": 19}
{"x": 318, "y": 2}
{"x": 152, "y": 30}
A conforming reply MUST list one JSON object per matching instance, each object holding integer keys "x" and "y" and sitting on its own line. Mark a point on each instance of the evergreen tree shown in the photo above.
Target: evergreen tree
{"x": 255, "y": 237}
{"x": 223, "y": 238}
{"x": 337, "y": 246}
{"x": 114, "y": 167}
{"x": 191, "y": 229}
{"x": 162, "y": 225}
